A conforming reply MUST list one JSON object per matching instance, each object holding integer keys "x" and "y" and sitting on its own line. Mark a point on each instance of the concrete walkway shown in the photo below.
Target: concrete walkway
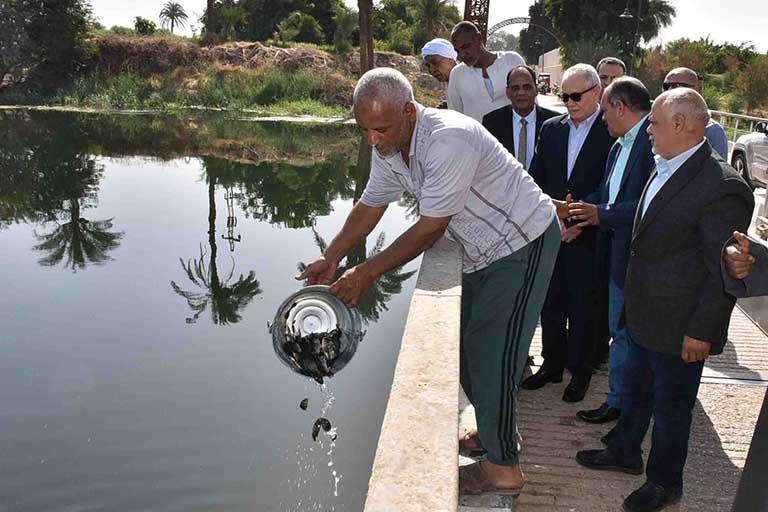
{"x": 724, "y": 418}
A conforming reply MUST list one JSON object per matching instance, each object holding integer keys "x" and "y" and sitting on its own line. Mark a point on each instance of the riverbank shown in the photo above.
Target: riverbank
{"x": 158, "y": 74}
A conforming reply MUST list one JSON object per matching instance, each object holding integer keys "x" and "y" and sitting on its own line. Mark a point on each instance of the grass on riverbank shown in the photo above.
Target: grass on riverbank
{"x": 300, "y": 92}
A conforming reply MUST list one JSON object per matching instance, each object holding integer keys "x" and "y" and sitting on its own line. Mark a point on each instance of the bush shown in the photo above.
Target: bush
{"x": 400, "y": 38}
{"x": 346, "y": 24}
{"x": 301, "y": 27}
{"x": 752, "y": 83}
{"x": 144, "y": 27}
{"x": 123, "y": 31}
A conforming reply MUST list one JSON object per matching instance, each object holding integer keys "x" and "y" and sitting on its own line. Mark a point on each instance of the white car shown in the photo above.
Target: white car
{"x": 750, "y": 155}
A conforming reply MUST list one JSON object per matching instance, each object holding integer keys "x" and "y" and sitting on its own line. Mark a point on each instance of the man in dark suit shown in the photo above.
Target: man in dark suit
{"x": 625, "y": 104}
{"x": 511, "y": 124}
{"x": 676, "y": 310}
{"x": 745, "y": 273}
{"x": 569, "y": 164}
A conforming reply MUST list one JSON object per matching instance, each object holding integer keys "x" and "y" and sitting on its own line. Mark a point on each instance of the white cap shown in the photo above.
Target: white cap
{"x": 441, "y": 47}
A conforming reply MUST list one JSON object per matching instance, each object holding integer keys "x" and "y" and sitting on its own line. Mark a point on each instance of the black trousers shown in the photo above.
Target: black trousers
{"x": 567, "y": 318}
{"x": 665, "y": 387}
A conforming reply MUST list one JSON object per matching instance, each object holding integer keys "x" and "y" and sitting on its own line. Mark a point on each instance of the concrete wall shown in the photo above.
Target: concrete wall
{"x": 416, "y": 465}
{"x": 550, "y": 63}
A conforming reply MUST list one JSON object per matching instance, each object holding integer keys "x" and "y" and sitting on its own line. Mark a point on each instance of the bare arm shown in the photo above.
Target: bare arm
{"x": 360, "y": 222}
{"x": 417, "y": 239}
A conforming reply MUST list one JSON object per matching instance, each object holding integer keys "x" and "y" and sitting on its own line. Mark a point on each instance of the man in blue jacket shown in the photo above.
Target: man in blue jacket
{"x": 625, "y": 104}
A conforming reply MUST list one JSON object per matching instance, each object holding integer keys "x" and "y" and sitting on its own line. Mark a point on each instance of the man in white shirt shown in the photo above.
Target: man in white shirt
{"x": 478, "y": 84}
{"x": 473, "y": 191}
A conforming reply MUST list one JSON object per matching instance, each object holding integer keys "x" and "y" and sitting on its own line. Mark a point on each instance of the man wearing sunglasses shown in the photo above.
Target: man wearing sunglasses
{"x": 688, "y": 78}
{"x": 568, "y": 165}
{"x": 517, "y": 125}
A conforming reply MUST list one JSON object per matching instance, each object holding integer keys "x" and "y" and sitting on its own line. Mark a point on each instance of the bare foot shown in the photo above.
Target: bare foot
{"x": 485, "y": 477}
{"x": 470, "y": 441}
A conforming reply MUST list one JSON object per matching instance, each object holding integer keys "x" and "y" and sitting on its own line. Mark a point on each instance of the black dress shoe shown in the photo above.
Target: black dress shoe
{"x": 607, "y": 461}
{"x": 651, "y": 497}
{"x": 577, "y": 388}
{"x": 606, "y": 439}
{"x": 541, "y": 378}
{"x": 602, "y": 414}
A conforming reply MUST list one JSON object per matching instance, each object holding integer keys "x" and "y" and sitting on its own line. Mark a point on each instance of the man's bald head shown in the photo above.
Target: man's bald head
{"x": 678, "y": 120}
{"x": 682, "y": 77}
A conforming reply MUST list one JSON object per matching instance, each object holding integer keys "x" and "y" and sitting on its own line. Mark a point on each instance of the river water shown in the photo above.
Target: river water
{"x": 140, "y": 261}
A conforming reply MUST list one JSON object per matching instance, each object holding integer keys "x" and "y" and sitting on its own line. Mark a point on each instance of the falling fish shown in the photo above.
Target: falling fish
{"x": 320, "y": 423}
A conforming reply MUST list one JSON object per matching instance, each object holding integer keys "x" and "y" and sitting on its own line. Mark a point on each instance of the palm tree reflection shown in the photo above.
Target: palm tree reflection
{"x": 226, "y": 298}
{"x": 375, "y": 298}
{"x": 81, "y": 241}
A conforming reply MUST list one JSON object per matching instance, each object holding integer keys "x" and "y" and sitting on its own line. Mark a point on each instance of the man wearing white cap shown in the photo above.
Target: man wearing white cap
{"x": 440, "y": 57}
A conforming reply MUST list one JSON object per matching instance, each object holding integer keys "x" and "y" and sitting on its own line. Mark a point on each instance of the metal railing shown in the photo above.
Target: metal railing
{"x": 736, "y": 125}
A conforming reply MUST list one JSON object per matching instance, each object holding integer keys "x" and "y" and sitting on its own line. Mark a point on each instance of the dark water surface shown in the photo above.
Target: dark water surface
{"x": 140, "y": 261}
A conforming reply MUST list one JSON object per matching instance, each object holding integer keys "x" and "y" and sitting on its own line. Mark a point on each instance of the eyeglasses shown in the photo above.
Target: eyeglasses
{"x": 674, "y": 85}
{"x": 575, "y": 96}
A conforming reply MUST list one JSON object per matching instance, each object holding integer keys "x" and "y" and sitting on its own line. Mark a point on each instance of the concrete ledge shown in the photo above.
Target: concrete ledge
{"x": 416, "y": 465}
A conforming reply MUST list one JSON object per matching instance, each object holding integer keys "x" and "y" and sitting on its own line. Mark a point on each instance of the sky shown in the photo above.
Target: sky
{"x": 734, "y": 21}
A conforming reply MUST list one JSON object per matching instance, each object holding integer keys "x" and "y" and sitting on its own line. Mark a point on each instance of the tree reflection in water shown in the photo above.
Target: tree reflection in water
{"x": 226, "y": 298}
{"x": 375, "y": 298}
{"x": 48, "y": 176}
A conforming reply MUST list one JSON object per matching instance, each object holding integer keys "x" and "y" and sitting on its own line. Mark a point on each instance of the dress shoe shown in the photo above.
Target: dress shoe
{"x": 606, "y": 439}
{"x": 602, "y": 414}
{"x": 541, "y": 378}
{"x": 651, "y": 497}
{"x": 577, "y": 388}
{"x": 607, "y": 461}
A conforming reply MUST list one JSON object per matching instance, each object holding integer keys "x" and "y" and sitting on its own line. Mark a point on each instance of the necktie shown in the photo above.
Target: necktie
{"x": 523, "y": 146}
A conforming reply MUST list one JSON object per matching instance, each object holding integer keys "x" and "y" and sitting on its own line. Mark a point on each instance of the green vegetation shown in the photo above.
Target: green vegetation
{"x": 269, "y": 89}
{"x": 143, "y": 26}
{"x": 734, "y": 75}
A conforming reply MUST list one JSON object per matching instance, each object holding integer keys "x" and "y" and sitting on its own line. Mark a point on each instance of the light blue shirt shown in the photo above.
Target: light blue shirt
{"x": 576, "y": 137}
{"x": 530, "y": 147}
{"x": 664, "y": 170}
{"x": 715, "y": 134}
{"x": 626, "y": 141}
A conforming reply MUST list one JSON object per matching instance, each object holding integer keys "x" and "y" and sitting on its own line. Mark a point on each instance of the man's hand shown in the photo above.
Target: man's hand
{"x": 352, "y": 284}
{"x": 695, "y": 350}
{"x": 738, "y": 261}
{"x": 587, "y": 214}
{"x": 562, "y": 207}
{"x": 320, "y": 271}
{"x": 570, "y": 234}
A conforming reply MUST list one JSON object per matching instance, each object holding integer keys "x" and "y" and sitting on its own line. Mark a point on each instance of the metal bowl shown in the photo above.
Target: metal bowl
{"x": 314, "y": 309}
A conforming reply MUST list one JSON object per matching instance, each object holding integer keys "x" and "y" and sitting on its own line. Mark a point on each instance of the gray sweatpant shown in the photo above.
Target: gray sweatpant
{"x": 500, "y": 306}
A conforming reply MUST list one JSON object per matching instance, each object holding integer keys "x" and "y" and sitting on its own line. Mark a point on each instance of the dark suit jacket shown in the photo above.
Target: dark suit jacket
{"x": 550, "y": 163}
{"x": 673, "y": 286}
{"x": 616, "y": 219}
{"x": 499, "y": 123}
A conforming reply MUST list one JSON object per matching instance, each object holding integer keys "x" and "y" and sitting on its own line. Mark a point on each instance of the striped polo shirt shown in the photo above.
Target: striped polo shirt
{"x": 459, "y": 170}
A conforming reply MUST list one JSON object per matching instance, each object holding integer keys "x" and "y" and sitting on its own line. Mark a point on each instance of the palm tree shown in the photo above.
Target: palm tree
{"x": 173, "y": 14}
{"x": 433, "y": 16}
{"x": 225, "y": 297}
{"x": 80, "y": 240}
{"x": 365, "y": 15}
